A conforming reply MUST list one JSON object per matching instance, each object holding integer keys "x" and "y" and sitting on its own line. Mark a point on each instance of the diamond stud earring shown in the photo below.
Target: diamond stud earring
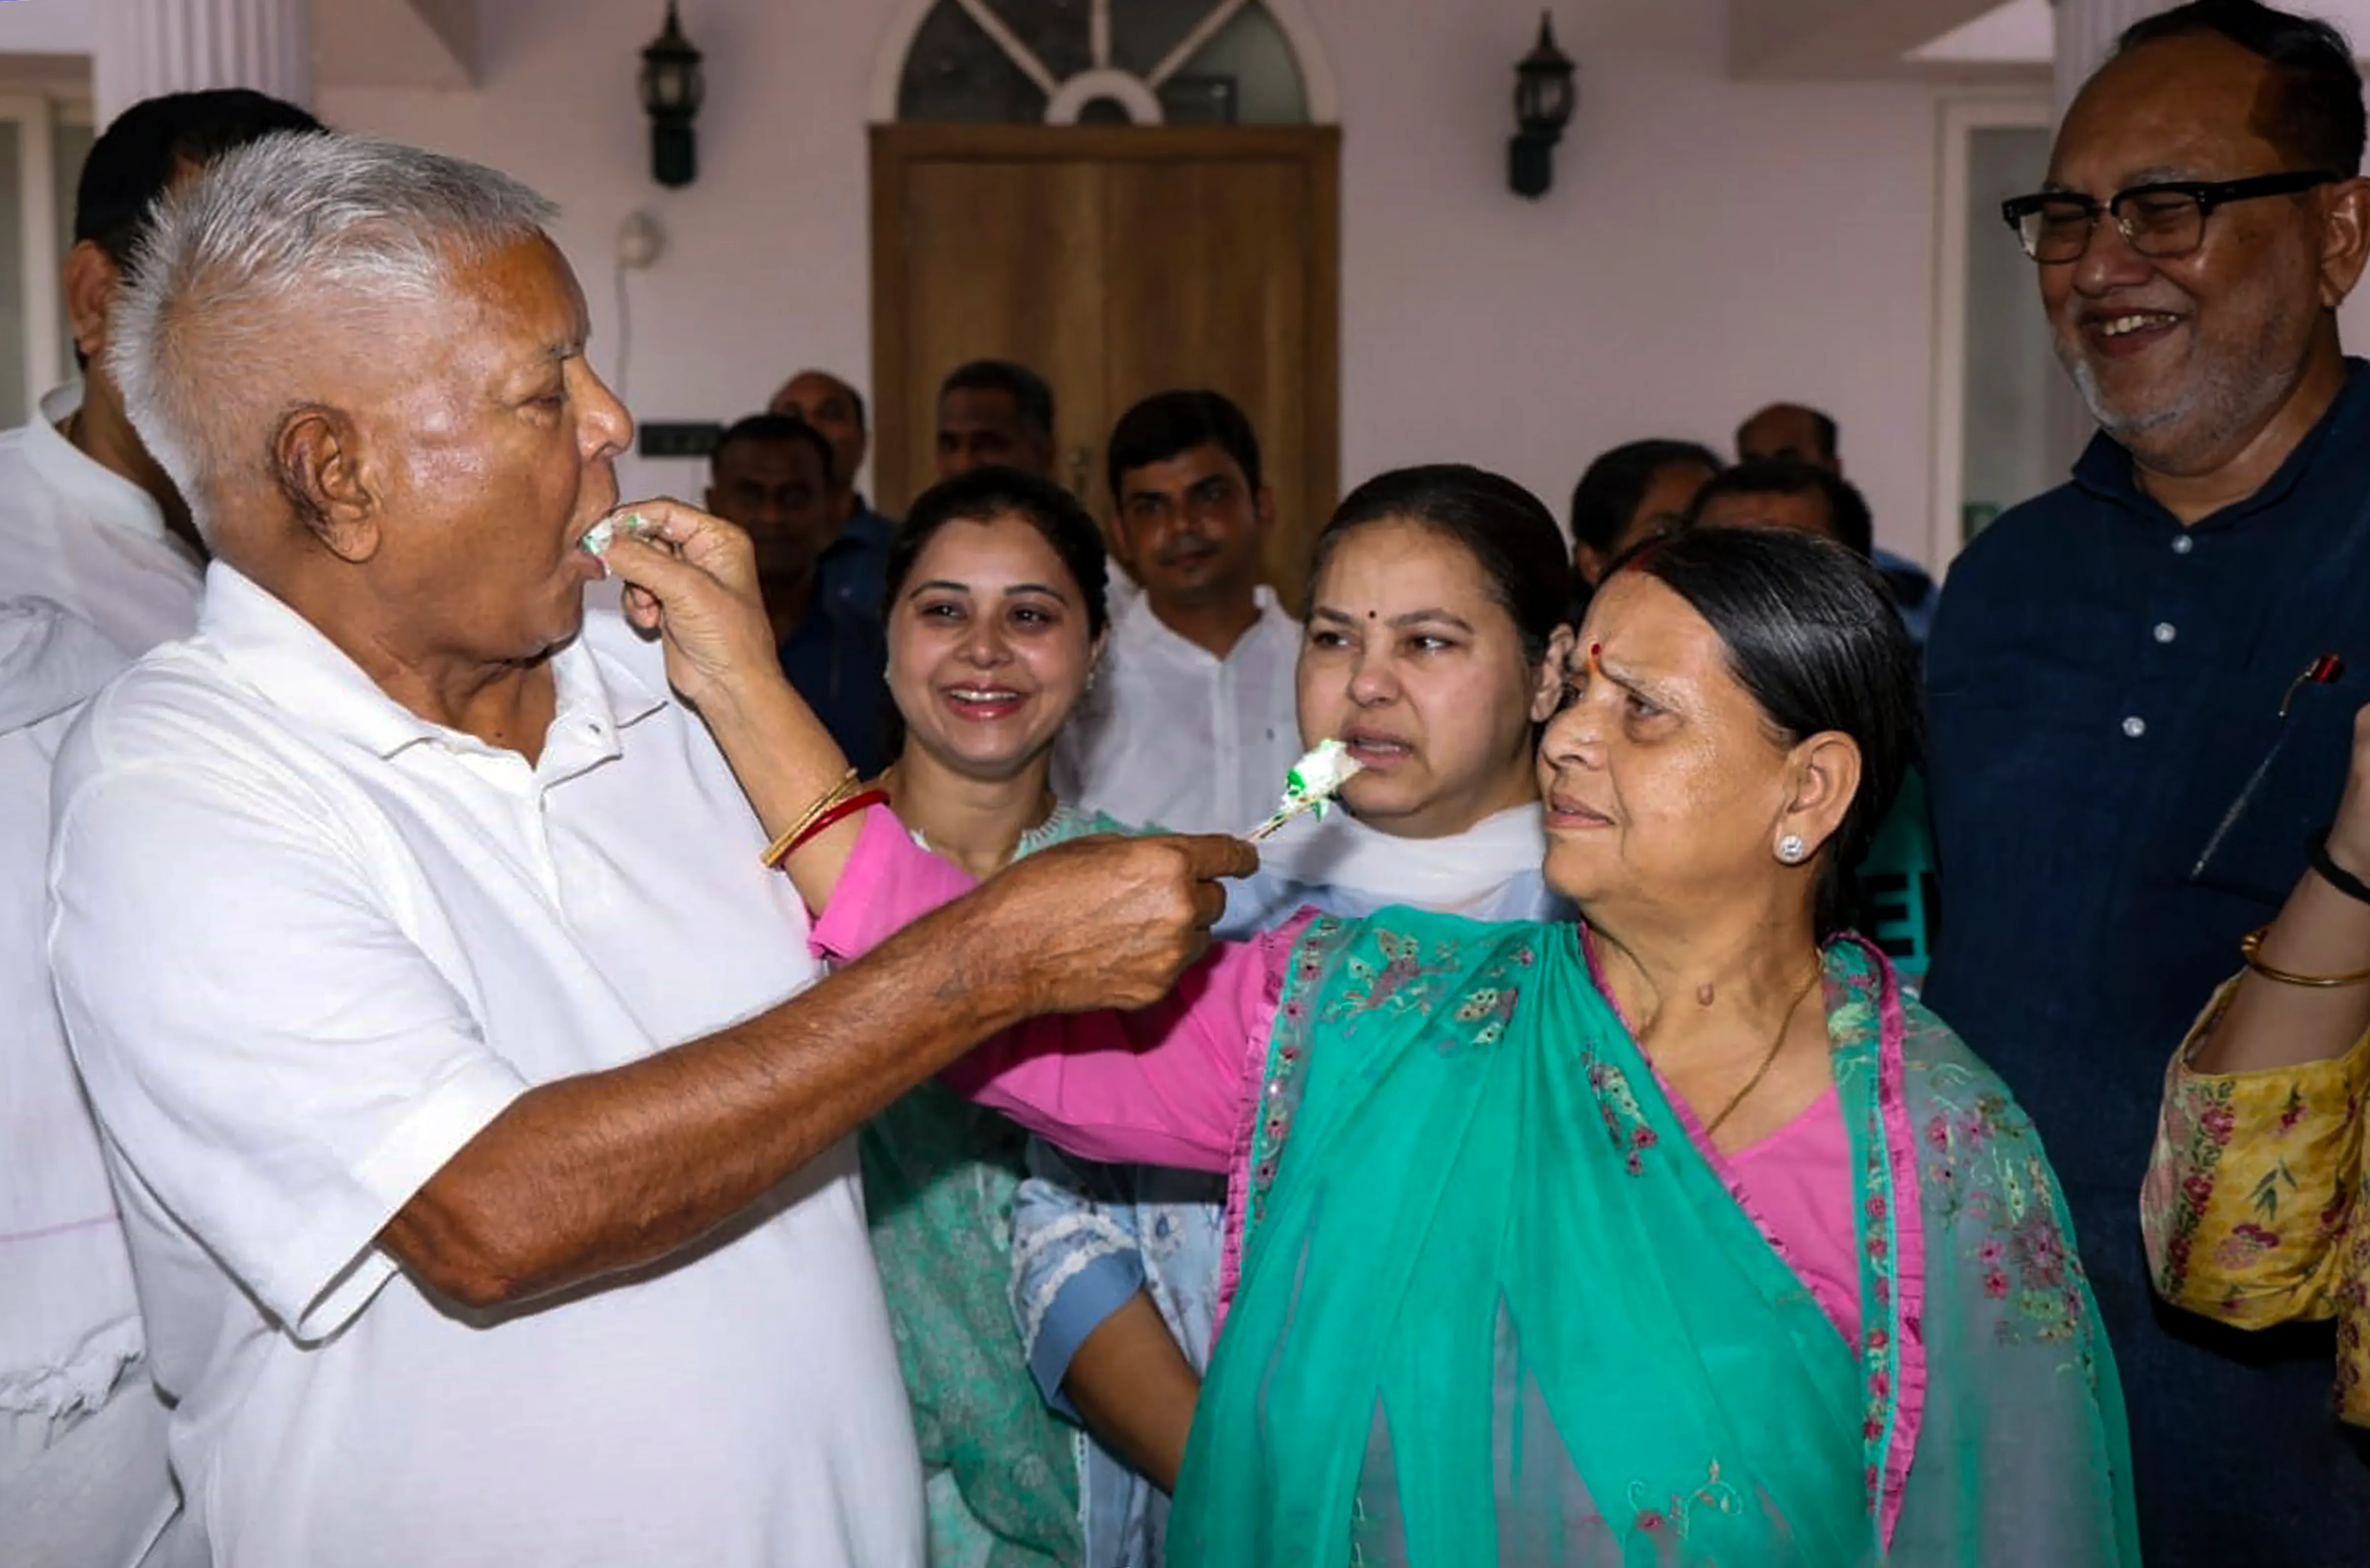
{"x": 1790, "y": 848}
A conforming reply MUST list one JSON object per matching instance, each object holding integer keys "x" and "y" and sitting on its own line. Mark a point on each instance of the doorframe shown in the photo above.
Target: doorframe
{"x": 37, "y": 113}
{"x": 1958, "y": 120}
{"x": 1318, "y": 148}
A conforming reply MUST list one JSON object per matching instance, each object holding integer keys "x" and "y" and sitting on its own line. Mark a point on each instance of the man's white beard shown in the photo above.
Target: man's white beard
{"x": 2124, "y": 429}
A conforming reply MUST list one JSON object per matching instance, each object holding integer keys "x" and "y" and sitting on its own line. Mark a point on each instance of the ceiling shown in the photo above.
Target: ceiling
{"x": 1848, "y": 38}
{"x": 394, "y": 43}
{"x": 1783, "y": 40}
{"x": 2019, "y": 31}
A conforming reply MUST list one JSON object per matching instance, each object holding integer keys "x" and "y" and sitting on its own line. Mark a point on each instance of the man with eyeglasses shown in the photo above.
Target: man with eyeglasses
{"x": 2134, "y": 726}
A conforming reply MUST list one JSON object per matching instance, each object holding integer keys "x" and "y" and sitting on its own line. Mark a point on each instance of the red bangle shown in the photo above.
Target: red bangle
{"x": 840, "y": 812}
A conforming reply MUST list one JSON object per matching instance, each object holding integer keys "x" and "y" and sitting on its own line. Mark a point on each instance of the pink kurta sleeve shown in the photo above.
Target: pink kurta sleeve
{"x": 889, "y": 883}
{"x": 1163, "y": 1086}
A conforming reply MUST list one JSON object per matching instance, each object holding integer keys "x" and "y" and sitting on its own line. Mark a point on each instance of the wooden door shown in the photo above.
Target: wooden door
{"x": 1116, "y": 262}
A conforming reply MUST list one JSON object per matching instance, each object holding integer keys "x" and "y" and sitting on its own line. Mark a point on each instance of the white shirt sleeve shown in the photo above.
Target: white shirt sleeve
{"x": 278, "y": 1062}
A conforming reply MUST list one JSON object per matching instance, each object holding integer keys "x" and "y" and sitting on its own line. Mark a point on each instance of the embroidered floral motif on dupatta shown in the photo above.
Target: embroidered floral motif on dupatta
{"x": 1495, "y": 1305}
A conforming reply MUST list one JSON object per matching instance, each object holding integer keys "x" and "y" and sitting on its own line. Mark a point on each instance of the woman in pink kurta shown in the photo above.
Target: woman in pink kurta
{"x": 1171, "y": 1085}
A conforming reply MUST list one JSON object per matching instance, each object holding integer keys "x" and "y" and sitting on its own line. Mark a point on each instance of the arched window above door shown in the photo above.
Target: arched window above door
{"x": 1103, "y": 62}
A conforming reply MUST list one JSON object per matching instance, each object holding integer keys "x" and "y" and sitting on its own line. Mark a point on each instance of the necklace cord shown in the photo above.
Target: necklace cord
{"x": 1769, "y": 1058}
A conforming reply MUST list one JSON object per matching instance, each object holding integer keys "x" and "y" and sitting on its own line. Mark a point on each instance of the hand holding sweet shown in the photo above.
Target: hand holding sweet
{"x": 1111, "y": 922}
{"x": 693, "y": 579}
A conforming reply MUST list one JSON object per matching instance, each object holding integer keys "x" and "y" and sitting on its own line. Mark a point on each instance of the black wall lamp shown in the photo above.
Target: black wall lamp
{"x": 1544, "y": 95}
{"x": 671, "y": 90}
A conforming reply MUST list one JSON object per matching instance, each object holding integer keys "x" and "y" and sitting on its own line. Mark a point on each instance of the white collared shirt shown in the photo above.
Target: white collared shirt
{"x": 308, "y": 945}
{"x": 69, "y": 1322}
{"x": 89, "y": 579}
{"x": 1175, "y": 737}
{"x": 79, "y": 533}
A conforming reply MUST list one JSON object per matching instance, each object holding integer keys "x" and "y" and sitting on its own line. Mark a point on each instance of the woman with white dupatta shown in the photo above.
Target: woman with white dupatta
{"x": 1437, "y": 600}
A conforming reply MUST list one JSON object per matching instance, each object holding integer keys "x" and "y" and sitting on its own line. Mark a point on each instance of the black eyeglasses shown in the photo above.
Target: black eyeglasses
{"x": 2160, "y": 221}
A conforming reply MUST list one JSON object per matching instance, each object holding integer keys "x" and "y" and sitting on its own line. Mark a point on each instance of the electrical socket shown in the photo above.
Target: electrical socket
{"x": 640, "y": 241}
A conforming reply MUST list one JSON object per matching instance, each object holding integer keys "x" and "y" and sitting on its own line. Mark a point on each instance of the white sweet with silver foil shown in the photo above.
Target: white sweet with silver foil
{"x": 1313, "y": 782}
{"x": 1318, "y": 776}
{"x": 598, "y": 537}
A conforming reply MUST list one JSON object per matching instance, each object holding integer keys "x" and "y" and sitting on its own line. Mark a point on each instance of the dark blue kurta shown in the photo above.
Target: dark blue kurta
{"x": 2117, "y": 799}
{"x": 854, "y": 568}
{"x": 836, "y": 659}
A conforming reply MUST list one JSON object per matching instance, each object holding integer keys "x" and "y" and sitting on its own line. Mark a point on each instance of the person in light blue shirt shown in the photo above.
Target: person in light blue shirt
{"x": 1435, "y": 643}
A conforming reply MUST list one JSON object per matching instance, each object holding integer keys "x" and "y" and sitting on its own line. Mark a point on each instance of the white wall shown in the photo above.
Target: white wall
{"x": 766, "y": 268}
{"x": 1709, "y": 245}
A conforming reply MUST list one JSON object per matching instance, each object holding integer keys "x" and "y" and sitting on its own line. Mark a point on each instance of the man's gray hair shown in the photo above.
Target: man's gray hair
{"x": 296, "y": 226}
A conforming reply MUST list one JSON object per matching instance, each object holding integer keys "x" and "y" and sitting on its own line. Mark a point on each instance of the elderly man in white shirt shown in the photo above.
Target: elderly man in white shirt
{"x": 1193, "y": 722}
{"x": 480, "y": 1141}
{"x": 98, "y": 565}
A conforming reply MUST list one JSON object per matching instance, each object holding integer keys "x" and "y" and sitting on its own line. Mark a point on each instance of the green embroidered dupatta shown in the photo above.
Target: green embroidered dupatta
{"x": 1497, "y": 1308}
{"x": 940, "y": 1175}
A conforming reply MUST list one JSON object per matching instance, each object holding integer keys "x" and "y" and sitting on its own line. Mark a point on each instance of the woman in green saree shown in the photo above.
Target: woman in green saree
{"x": 996, "y": 616}
{"x": 1674, "y": 1234}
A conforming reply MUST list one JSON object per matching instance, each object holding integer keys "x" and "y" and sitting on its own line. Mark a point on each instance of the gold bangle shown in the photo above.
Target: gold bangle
{"x": 842, "y": 791}
{"x": 2249, "y": 948}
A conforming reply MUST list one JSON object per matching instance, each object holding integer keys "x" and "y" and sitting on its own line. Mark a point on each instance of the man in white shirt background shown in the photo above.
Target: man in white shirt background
{"x": 484, "y": 1169}
{"x": 1191, "y": 724}
{"x": 88, "y": 518}
{"x": 97, "y": 564}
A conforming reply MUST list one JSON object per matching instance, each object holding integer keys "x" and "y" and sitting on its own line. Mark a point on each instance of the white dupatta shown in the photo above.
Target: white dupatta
{"x": 1464, "y": 873}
